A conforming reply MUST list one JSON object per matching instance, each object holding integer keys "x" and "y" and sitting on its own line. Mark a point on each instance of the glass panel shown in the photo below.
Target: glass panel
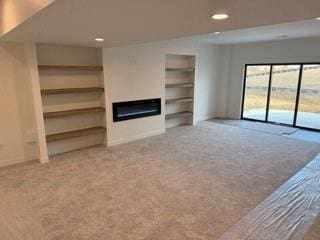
{"x": 309, "y": 103}
{"x": 135, "y": 109}
{"x": 256, "y": 92}
{"x": 283, "y": 93}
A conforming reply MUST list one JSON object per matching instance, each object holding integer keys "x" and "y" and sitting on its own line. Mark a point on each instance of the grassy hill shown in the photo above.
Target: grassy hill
{"x": 256, "y": 99}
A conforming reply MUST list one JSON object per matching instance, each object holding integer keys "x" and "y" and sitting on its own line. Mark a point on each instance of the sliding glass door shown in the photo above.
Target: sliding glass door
{"x": 286, "y": 94}
{"x": 283, "y": 95}
{"x": 256, "y": 92}
{"x": 309, "y": 101}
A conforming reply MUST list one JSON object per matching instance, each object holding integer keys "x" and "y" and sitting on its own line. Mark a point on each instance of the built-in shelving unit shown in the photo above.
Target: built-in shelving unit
{"x": 179, "y": 100}
{"x": 70, "y": 67}
{"x": 71, "y": 90}
{"x": 72, "y": 97}
{"x": 180, "y": 79}
{"x": 75, "y": 133}
{"x": 58, "y": 114}
{"x": 179, "y": 85}
{"x": 179, "y": 114}
{"x": 180, "y": 69}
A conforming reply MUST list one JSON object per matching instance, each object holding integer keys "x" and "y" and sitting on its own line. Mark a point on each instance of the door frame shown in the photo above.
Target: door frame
{"x": 296, "y": 109}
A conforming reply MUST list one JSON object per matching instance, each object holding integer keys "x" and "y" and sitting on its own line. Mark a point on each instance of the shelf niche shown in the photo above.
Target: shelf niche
{"x": 72, "y": 91}
{"x": 179, "y": 86}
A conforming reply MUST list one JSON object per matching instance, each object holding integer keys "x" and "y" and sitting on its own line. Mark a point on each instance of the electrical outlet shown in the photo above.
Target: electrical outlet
{"x": 133, "y": 61}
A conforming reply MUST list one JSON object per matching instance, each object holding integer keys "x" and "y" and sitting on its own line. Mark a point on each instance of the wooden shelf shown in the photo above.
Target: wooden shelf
{"x": 71, "y": 90}
{"x": 179, "y": 100}
{"x": 68, "y": 67}
{"x": 179, "y": 114}
{"x": 180, "y": 85}
{"x": 72, "y": 112}
{"x": 180, "y": 69}
{"x": 72, "y": 134}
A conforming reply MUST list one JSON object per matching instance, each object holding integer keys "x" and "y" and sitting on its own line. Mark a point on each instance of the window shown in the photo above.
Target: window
{"x": 286, "y": 94}
{"x": 309, "y": 101}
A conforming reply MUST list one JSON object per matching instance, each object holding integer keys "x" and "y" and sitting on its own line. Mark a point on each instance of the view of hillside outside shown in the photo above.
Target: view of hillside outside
{"x": 309, "y": 104}
{"x": 283, "y": 94}
{"x": 256, "y": 92}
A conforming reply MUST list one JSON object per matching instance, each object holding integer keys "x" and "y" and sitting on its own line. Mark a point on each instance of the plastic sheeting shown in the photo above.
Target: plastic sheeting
{"x": 287, "y": 214}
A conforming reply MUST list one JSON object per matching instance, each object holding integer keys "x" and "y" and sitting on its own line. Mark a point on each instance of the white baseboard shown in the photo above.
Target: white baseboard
{"x": 14, "y": 161}
{"x": 205, "y": 116}
{"x": 44, "y": 160}
{"x": 135, "y": 137}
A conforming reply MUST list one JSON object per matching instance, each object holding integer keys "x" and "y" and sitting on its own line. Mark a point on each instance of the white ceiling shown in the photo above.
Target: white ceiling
{"x": 125, "y": 22}
{"x": 294, "y": 30}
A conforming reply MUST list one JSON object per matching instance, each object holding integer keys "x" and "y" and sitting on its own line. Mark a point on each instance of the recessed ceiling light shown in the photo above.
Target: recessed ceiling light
{"x": 220, "y": 16}
{"x": 99, "y": 39}
{"x": 216, "y": 33}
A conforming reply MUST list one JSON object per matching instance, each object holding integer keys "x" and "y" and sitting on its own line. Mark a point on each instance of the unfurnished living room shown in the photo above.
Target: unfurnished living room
{"x": 159, "y": 120}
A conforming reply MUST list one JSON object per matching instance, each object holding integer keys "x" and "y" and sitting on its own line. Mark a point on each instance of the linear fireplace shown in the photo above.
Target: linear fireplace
{"x": 136, "y": 109}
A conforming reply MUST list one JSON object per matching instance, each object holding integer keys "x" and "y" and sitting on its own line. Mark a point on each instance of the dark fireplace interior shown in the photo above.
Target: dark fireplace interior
{"x": 136, "y": 109}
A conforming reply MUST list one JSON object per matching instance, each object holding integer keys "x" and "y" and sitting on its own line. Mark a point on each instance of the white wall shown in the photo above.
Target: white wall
{"x": 209, "y": 63}
{"x": 49, "y": 54}
{"x": 285, "y": 51}
{"x": 138, "y": 72}
{"x": 18, "y": 141}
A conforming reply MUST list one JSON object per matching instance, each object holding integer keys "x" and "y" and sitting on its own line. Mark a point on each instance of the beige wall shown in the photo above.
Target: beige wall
{"x": 48, "y": 54}
{"x": 14, "y": 12}
{"x": 17, "y": 123}
{"x": 138, "y": 72}
{"x": 208, "y": 75}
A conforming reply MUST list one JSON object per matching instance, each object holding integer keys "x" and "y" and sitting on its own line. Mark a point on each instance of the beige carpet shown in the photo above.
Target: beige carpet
{"x": 287, "y": 214}
{"x": 258, "y": 126}
{"x": 190, "y": 183}
{"x": 314, "y": 231}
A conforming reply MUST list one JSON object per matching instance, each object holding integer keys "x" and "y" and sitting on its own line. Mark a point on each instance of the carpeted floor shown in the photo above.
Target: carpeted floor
{"x": 190, "y": 183}
{"x": 288, "y": 213}
{"x": 258, "y": 126}
{"x": 314, "y": 231}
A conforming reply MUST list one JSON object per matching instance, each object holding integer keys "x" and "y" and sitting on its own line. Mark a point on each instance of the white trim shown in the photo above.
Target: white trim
{"x": 44, "y": 160}
{"x": 204, "y": 116}
{"x": 31, "y": 56}
{"x": 135, "y": 137}
{"x": 14, "y": 161}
